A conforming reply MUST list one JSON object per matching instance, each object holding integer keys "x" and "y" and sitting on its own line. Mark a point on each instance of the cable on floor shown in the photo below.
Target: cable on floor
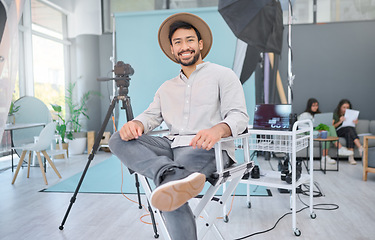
{"x": 319, "y": 206}
{"x": 270, "y": 229}
{"x": 315, "y": 206}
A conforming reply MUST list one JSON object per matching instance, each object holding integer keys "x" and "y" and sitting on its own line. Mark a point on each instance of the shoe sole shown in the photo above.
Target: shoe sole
{"x": 174, "y": 194}
{"x": 331, "y": 163}
{"x": 345, "y": 154}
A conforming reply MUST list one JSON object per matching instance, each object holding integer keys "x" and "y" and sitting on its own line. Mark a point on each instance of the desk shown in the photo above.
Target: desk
{"x": 17, "y": 126}
{"x": 327, "y": 140}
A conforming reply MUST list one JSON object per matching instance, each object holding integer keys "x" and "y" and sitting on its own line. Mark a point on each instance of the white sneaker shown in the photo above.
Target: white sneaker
{"x": 351, "y": 160}
{"x": 343, "y": 151}
{"x": 328, "y": 159}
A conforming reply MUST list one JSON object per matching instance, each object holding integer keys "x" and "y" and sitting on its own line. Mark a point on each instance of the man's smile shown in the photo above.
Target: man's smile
{"x": 186, "y": 53}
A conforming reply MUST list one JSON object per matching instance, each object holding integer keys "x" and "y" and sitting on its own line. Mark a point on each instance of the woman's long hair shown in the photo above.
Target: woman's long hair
{"x": 342, "y": 102}
{"x": 310, "y": 102}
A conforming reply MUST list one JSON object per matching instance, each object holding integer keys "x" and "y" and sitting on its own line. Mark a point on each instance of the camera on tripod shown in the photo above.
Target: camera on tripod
{"x": 122, "y": 69}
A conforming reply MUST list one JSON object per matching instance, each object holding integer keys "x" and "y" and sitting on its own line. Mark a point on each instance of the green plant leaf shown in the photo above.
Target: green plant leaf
{"x": 321, "y": 127}
{"x": 56, "y": 108}
{"x": 76, "y": 110}
{"x": 13, "y": 109}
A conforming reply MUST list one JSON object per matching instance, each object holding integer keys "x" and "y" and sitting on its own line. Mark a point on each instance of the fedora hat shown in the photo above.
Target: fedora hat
{"x": 194, "y": 20}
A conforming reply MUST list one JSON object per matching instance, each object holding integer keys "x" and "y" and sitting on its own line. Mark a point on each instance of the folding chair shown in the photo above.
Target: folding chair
{"x": 206, "y": 207}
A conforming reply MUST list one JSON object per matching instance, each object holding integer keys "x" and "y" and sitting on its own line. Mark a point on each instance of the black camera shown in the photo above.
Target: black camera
{"x": 122, "y": 69}
{"x": 284, "y": 169}
{"x": 292, "y": 120}
{"x": 286, "y": 175}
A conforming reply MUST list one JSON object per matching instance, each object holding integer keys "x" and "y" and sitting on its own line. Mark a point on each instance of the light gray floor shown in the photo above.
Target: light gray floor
{"x": 26, "y": 213}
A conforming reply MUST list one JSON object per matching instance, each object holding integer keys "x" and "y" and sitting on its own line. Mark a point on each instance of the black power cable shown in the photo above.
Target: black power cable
{"x": 328, "y": 207}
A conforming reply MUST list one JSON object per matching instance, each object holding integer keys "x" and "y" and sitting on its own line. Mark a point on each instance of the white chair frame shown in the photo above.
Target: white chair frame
{"x": 231, "y": 175}
{"x": 53, "y": 152}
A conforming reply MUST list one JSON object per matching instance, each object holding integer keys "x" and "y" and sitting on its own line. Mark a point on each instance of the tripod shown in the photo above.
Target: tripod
{"x": 122, "y": 83}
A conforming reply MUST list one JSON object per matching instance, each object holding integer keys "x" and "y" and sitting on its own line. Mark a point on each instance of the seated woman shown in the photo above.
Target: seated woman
{"x": 312, "y": 107}
{"x": 347, "y": 132}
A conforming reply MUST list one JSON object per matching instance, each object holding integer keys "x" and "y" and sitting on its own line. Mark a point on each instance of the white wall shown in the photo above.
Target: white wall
{"x": 84, "y": 16}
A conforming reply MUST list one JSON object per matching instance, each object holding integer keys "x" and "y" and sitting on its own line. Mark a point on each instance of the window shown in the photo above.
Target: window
{"x": 48, "y": 69}
{"x": 43, "y": 54}
{"x": 48, "y": 53}
{"x": 324, "y": 11}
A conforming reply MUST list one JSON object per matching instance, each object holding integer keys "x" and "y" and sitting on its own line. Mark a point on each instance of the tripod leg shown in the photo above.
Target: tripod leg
{"x": 90, "y": 158}
{"x": 128, "y": 108}
{"x": 126, "y": 104}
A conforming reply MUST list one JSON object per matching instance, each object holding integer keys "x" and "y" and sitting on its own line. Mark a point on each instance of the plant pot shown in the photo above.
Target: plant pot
{"x": 323, "y": 134}
{"x": 64, "y": 146}
{"x": 11, "y": 119}
{"x": 79, "y": 135}
{"x": 315, "y": 134}
{"x": 77, "y": 146}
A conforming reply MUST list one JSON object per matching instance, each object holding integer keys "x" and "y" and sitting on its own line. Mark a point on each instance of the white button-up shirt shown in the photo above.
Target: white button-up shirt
{"x": 213, "y": 94}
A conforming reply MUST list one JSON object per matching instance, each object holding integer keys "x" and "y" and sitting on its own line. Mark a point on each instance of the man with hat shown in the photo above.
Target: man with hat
{"x": 201, "y": 105}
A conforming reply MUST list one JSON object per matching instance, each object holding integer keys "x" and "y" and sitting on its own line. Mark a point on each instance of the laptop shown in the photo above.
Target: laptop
{"x": 272, "y": 116}
{"x": 325, "y": 118}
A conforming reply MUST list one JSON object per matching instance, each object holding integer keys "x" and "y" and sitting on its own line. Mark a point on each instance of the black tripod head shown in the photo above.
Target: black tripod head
{"x": 123, "y": 71}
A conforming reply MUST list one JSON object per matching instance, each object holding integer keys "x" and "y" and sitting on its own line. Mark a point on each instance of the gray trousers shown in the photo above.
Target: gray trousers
{"x": 151, "y": 156}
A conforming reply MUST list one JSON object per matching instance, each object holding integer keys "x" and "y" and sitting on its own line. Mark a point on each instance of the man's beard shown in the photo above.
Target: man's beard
{"x": 192, "y": 62}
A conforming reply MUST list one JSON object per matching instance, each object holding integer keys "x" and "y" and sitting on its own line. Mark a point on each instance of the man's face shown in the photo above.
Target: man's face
{"x": 185, "y": 47}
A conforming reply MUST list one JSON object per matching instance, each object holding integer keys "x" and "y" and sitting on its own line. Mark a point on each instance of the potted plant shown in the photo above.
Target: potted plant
{"x": 323, "y": 130}
{"x": 61, "y": 129}
{"x": 12, "y": 110}
{"x": 61, "y": 124}
{"x": 76, "y": 111}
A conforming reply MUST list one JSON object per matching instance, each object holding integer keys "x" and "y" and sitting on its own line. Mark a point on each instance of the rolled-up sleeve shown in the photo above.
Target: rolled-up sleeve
{"x": 233, "y": 103}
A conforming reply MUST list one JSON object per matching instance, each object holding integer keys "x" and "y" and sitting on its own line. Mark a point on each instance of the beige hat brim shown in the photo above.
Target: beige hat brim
{"x": 194, "y": 20}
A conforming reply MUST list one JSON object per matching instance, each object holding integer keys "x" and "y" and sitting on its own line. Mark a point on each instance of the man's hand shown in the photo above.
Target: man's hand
{"x": 131, "y": 130}
{"x": 207, "y": 138}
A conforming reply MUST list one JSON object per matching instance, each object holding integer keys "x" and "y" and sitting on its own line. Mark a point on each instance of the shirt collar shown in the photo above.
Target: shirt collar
{"x": 199, "y": 67}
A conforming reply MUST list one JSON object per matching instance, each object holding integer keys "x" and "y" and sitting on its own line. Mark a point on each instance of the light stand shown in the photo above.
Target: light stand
{"x": 122, "y": 72}
{"x": 290, "y": 73}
